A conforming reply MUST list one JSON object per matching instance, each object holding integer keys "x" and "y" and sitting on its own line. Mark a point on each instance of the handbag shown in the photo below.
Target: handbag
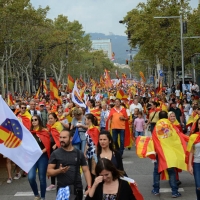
{"x": 76, "y": 138}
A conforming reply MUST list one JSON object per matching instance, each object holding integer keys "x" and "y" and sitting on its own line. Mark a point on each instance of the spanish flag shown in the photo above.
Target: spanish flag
{"x": 120, "y": 94}
{"x": 55, "y": 130}
{"x": 25, "y": 119}
{"x": 54, "y": 91}
{"x": 45, "y": 89}
{"x": 108, "y": 82}
{"x": 37, "y": 94}
{"x": 10, "y": 100}
{"x": 194, "y": 124}
{"x": 97, "y": 113}
{"x": 145, "y": 147}
{"x": 194, "y": 139}
{"x": 169, "y": 146}
{"x": 191, "y": 119}
{"x": 93, "y": 132}
{"x": 142, "y": 76}
{"x": 70, "y": 83}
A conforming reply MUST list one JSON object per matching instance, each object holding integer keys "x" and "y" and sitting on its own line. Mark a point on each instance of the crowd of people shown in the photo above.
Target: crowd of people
{"x": 104, "y": 130}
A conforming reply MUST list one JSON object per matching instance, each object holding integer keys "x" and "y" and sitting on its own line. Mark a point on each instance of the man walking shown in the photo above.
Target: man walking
{"x": 65, "y": 163}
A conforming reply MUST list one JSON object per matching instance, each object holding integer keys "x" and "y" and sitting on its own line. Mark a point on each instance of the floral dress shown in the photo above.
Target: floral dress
{"x": 109, "y": 196}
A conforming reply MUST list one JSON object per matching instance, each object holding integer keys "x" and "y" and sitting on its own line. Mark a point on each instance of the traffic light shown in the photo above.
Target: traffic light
{"x": 184, "y": 27}
{"x": 126, "y": 62}
{"x": 129, "y": 35}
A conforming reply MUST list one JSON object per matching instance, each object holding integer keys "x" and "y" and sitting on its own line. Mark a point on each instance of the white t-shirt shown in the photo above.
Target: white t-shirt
{"x": 133, "y": 106}
{"x": 177, "y": 93}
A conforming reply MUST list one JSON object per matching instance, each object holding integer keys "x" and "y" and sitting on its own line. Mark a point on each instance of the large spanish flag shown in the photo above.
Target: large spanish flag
{"x": 54, "y": 91}
{"x": 108, "y": 83}
{"x": 194, "y": 139}
{"x": 169, "y": 146}
{"x": 191, "y": 119}
{"x": 120, "y": 94}
{"x": 70, "y": 83}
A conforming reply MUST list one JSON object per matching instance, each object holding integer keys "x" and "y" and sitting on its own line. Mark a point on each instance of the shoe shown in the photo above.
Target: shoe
{"x": 176, "y": 195}
{"x": 17, "y": 176}
{"x": 155, "y": 193}
{"x": 9, "y": 180}
{"x": 37, "y": 198}
{"x": 178, "y": 182}
{"x": 51, "y": 187}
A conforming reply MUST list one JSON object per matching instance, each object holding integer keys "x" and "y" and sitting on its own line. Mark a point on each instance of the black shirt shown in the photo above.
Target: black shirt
{"x": 68, "y": 158}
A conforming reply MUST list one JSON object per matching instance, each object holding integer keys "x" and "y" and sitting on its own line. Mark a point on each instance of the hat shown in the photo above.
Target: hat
{"x": 41, "y": 104}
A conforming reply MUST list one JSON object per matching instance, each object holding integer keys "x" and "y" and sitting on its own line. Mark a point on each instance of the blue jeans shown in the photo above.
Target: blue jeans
{"x": 137, "y": 133}
{"x": 196, "y": 169}
{"x": 121, "y": 133}
{"x": 172, "y": 179}
{"x": 81, "y": 146}
{"x": 41, "y": 165}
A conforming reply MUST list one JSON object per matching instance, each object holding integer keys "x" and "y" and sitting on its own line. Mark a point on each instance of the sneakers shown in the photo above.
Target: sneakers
{"x": 51, "y": 187}
{"x": 176, "y": 195}
{"x": 17, "y": 176}
{"x": 155, "y": 193}
{"x": 37, "y": 198}
{"x": 9, "y": 180}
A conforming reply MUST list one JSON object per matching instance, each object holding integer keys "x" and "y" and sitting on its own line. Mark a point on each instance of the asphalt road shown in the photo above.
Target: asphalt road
{"x": 138, "y": 169}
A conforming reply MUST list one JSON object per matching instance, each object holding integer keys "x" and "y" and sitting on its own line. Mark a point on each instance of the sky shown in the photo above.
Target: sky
{"x": 96, "y": 16}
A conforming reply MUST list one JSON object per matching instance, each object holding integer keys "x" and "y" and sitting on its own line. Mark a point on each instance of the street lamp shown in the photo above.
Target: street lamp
{"x": 181, "y": 37}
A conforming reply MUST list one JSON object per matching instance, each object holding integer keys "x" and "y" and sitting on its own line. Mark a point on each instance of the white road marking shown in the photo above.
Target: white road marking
{"x": 164, "y": 190}
{"x": 127, "y": 162}
{"x": 24, "y": 194}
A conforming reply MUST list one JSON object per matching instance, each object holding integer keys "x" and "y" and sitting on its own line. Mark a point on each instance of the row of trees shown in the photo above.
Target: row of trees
{"x": 159, "y": 39}
{"x": 33, "y": 47}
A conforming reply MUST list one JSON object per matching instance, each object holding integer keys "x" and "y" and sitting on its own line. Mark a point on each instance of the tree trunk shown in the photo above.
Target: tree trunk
{"x": 2, "y": 80}
{"x": 28, "y": 81}
{"x": 19, "y": 83}
{"x": 11, "y": 77}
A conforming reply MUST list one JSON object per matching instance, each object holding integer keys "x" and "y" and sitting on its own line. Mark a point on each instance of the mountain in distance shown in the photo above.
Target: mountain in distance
{"x": 119, "y": 45}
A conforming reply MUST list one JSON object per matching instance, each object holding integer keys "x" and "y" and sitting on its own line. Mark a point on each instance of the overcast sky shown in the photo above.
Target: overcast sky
{"x": 100, "y": 16}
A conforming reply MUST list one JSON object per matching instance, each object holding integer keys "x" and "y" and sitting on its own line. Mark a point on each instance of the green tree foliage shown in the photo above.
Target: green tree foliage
{"x": 33, "y": 47}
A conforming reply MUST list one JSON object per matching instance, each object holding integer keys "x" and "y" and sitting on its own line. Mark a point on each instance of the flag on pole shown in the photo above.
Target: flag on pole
{"x": 16, "y": 142}
{"x": 76, "y": 98}
{"x": 10, "y": 100}
{"x": 45, "y": 89}
{"x": 54, "y": 91}
{"x": 70, "y": 83}
{"x": 108, "y": 82}
{"x": 37, "y": 94}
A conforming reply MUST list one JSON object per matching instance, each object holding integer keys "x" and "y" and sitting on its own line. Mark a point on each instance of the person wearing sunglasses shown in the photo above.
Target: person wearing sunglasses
{"x": 42, "y": 137}
{"x": 24, "y": 116}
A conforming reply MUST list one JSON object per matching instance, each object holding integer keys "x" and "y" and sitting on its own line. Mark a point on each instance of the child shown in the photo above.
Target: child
{"x": 139, "y": 125}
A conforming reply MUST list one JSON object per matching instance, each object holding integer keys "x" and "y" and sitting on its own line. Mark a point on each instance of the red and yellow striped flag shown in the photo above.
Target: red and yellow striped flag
{"x": 120, "y": 94}
{"x": 10, "y": 100}
{"x": 54, "y": 91}
{"x": 37, "y": 93}
{"x": 70, "y": 83}
{"x": 45, "y": 89}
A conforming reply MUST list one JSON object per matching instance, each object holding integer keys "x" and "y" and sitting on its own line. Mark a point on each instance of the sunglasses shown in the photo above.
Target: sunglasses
{"x": 23, "y": 108}
{"x": 34, "y": 120}
{"x": 59, "y": 112}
